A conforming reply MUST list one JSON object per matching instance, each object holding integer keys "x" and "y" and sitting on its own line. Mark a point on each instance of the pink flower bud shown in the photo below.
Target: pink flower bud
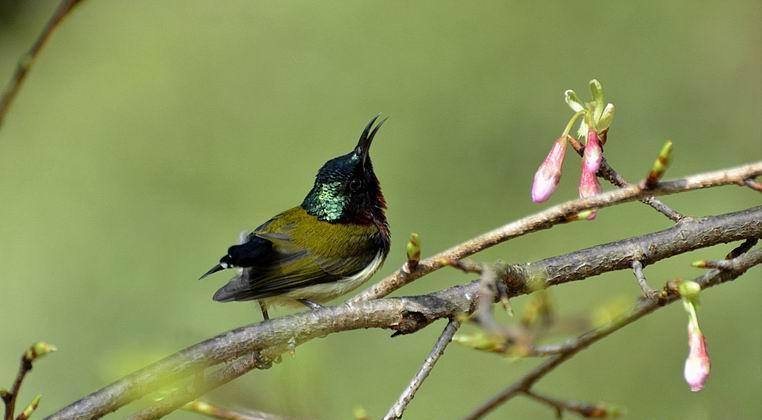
{"x": 591, "y": 159}
{"x": 549, "y": 173}
{"x": 697, "y": 364}
{"x": 588, "y": 184}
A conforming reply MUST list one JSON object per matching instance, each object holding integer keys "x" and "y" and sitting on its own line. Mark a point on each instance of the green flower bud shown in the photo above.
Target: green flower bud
{"x": 660, "y": 165}
{"x": 38, "y": 350}
{"x": 689, "y": 290}
{"x": 413, "y": 249}
{"x": 30, "y": 408}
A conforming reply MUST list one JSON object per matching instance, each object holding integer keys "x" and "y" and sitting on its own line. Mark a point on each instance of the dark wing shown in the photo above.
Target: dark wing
{"x": 303, "y": 253}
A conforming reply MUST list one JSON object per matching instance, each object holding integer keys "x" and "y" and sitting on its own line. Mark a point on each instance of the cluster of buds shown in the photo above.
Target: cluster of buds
{"x": 697, "y": 364}
{"x": 594, "y": 118}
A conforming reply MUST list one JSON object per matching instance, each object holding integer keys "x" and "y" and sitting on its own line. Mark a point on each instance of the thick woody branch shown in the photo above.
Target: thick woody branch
{"x": 221, "y": 376}
{"x": 26, "y": 61}
{"x": 567, "y": 350}
{"x": 409, "y": 314}
{"x": 552, "y": 216}
{"x": 683, "y": 237}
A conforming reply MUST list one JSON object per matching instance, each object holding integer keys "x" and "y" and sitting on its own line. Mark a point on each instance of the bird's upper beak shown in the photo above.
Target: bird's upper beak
{"x": 366, "y": 138}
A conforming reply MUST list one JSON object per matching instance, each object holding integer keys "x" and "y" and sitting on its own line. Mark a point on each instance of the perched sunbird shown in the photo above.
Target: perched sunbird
{"x": 325, "y": 247}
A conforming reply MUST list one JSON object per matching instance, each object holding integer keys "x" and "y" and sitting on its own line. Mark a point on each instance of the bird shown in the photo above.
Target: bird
{"x": 327, "y": 246}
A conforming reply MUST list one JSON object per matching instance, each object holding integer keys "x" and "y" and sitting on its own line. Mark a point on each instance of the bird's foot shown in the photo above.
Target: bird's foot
{"x": 263, "y": 307}
{"x": 310, "y": 304}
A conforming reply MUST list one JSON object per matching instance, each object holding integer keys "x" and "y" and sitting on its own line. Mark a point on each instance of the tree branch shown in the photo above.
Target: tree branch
{"x": 637, "y": 269}
{"x": 754, "y": 185}
{"x": 409, "y": 314}
{"x": 220, "y": 377}
{"x": 396, "y": 411}
{"x": 612, "y": 176}
{"x": 566, "y": 350}
{"x": 9, "y": 397}
{"x": 553, "y": 216}
{"x": 26, "y": 61}
{"x": 583, "y": 409}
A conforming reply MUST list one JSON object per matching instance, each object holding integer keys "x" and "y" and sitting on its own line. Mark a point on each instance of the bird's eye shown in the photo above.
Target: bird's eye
{"x": 355, "y": 185}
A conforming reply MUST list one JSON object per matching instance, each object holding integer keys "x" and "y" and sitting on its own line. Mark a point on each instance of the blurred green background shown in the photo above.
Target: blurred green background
{"x": 149, "y": 134}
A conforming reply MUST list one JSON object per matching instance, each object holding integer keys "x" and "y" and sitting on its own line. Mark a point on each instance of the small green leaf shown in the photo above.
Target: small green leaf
{"x": 573, "y": 101}
{"x": 607, "y": 116}
{"x": 597, "y": 90}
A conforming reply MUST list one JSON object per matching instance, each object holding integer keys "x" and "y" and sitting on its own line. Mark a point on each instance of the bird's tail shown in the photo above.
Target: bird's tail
{"x": 236, "y": 289}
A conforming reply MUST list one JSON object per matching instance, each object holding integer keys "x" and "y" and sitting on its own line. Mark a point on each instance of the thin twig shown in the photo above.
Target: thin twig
{"x": 550, "y": 217}
{"x": 10, "y": 397}
{"x": 410, "y": 314}
{"x": 584, "y": 409}
{"x": 742, "y": 249}
{"x": 565, "y": 351}
{"x": 637, "y": 269}
{"x": 26, "y": 61}
{"x": 754, "y": 185}
{"x": 609, "y": 174}
{"x": 396, "y": 411}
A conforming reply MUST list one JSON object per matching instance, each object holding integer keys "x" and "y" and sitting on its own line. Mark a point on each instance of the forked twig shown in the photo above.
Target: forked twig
{"x": 567, "y": 350}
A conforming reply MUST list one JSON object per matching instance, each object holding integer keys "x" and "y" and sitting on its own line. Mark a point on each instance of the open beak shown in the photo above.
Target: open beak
{"x": 363, "y": 146}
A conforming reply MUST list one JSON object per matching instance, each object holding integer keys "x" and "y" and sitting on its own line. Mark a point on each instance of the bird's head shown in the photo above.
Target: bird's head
{"x": 346, "y": 189}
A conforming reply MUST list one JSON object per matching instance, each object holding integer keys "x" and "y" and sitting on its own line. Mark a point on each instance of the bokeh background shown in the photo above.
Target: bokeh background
{"x": 150, "y": 133}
